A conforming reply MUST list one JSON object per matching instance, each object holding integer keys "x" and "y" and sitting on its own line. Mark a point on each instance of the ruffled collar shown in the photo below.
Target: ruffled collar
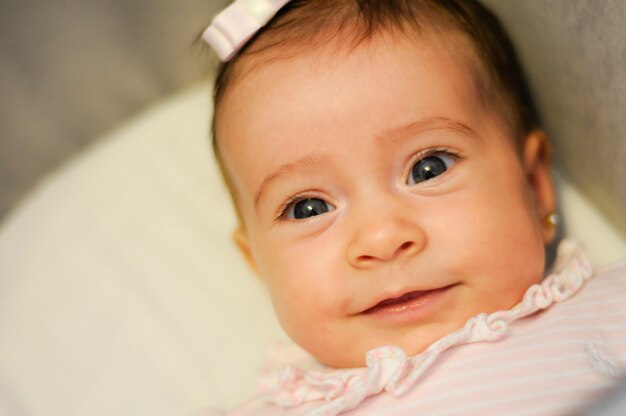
{"x": 390, "y": 369}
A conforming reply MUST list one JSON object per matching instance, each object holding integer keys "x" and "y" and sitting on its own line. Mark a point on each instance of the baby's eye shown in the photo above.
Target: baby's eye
{"x": 430, "y": 167}
{"x": 306, "y": 208}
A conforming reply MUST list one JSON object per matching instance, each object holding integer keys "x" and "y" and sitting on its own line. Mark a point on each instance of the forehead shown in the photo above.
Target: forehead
{"x": 259, "y": 76}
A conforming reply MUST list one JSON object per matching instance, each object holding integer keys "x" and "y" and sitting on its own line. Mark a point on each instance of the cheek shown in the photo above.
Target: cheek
{"x": 491, "y": 231}
{"x": 303, "y": 286}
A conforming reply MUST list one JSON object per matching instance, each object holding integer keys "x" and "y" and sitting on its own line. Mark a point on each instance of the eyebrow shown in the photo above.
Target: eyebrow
{"x": 314, "y": 161}
{"x": 425, "y": 124}
{"x": 302, "y": 164}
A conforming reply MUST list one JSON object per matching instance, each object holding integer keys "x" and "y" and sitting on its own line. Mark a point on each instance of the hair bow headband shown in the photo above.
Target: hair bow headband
{"x": 235, "y": 25}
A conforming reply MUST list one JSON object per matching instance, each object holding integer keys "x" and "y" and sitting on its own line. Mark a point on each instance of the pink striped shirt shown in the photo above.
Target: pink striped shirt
{"x": 555, "y": 361}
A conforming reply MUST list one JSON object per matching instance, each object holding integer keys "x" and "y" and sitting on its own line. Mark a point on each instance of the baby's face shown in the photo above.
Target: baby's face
{"x": 383, "y": 203}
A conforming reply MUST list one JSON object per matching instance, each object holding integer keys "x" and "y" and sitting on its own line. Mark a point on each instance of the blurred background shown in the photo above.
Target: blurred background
{"x": 71, "y": 70}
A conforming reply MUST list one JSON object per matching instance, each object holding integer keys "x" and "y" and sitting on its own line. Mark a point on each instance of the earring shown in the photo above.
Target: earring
{"x": 551, "y": 220}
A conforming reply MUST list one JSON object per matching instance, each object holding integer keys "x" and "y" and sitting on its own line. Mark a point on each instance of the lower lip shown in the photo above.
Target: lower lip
{"x": 413, "y": 310}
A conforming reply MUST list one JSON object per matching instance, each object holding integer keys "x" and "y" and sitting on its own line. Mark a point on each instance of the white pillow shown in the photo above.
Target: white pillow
{"x": 121, "y": 291}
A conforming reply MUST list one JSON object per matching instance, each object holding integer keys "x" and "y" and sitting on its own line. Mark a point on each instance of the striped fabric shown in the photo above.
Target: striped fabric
{"x": 555, "y": 362}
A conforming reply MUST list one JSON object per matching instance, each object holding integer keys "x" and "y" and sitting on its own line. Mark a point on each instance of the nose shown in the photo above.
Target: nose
{"x": 385, "y": 236}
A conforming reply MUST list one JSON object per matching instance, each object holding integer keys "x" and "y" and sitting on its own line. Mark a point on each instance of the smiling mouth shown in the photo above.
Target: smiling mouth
{"x": 413, "y": 300}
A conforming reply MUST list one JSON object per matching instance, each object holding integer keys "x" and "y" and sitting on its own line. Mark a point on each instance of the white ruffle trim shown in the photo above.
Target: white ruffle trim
{"x": 388, "y": 367}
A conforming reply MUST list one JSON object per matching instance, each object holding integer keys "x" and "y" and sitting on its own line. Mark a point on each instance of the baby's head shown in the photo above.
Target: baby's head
{"x": 387, "y": 169}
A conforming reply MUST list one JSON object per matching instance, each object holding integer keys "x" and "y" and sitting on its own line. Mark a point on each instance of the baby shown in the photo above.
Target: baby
{"x": 393, "y": 190}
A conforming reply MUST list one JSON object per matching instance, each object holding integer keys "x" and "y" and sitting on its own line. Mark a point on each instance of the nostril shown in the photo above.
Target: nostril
{"x": 365, "y": 258}
{"x": 405, "y": 246}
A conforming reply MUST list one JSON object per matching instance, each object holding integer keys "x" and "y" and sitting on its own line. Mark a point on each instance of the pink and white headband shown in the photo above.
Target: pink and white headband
{"x": 235, "y": 25}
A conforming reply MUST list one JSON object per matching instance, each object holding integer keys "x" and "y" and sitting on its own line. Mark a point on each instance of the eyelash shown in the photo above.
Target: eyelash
{"x": 435, "y": 150}
{"x": 422, "y": 154}
{"x": 286, "y": 206}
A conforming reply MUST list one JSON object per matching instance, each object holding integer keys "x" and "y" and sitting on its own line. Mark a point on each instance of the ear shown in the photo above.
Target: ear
{"x": 536, "y": 160}
{"x": 241, "y": 239}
